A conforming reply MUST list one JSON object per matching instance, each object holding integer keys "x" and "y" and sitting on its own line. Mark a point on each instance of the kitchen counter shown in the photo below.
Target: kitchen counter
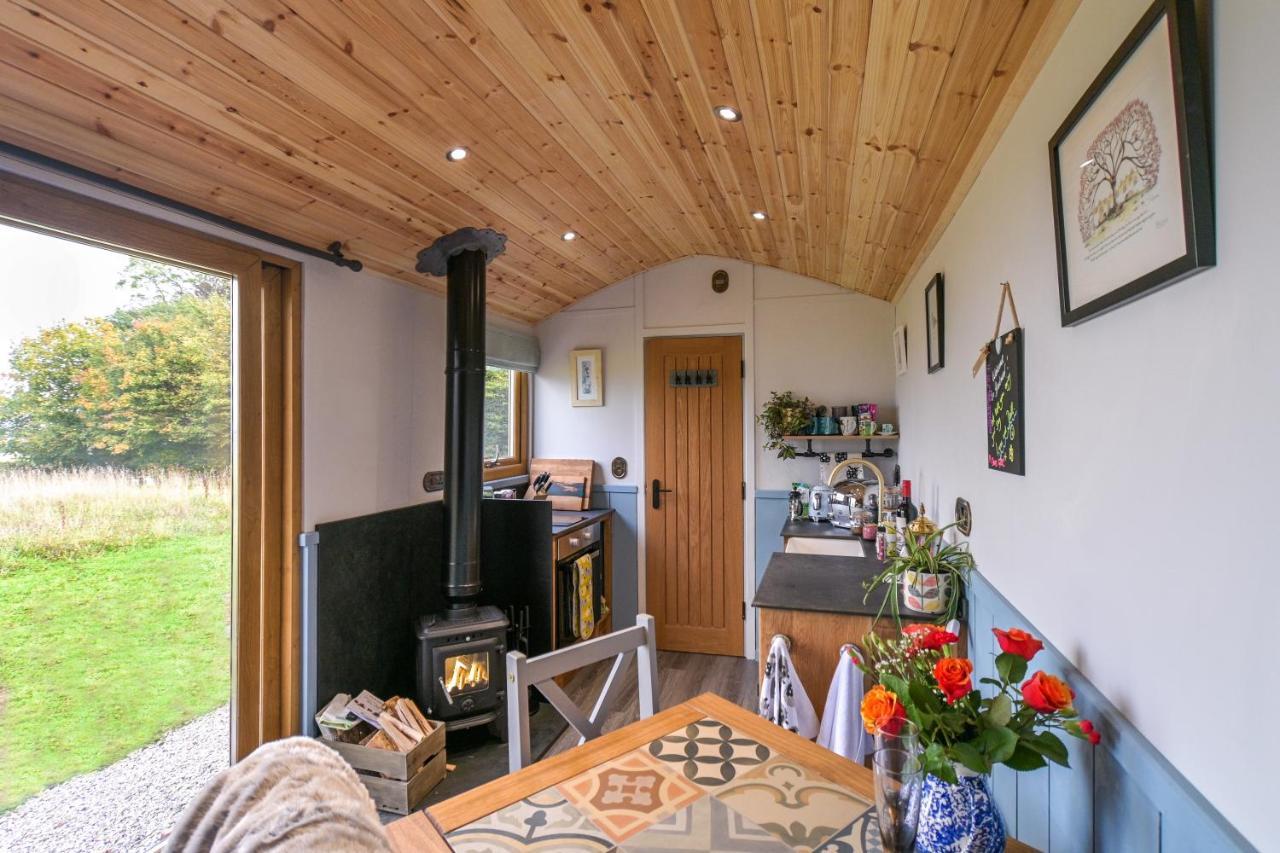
{"x": 819, "y": 583}
{"x": 816, "y": 530}
{"x": 565, "y": 521}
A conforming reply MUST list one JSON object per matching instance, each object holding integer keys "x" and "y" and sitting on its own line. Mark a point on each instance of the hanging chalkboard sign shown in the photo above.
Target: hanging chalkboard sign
{"x": 1005, "y": 412}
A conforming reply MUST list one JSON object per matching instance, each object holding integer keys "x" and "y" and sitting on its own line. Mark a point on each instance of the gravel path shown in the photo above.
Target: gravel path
{"x": 127, "y": 806}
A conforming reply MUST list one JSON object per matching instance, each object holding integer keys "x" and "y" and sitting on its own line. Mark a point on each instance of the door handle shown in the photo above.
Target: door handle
{"x": 656, "y": 491}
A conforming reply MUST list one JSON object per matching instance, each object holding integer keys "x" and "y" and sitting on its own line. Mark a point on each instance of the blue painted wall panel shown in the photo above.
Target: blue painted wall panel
{"x": 1122, "y": 795}
{"x": 624, "y": 501}
{"x": 771, "y": 514}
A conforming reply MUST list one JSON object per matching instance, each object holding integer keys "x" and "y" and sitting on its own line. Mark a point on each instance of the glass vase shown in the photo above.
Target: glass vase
{"x": 959, "y": 818}
{"x": 898, "y": 778}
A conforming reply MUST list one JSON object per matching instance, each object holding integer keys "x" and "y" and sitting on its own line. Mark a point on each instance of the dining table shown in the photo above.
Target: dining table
{"x": 702, "y": 775}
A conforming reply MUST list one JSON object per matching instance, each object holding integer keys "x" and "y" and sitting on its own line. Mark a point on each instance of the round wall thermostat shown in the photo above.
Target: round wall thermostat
{"x": 720, "y": 281}
{"x": 618, "y": 467}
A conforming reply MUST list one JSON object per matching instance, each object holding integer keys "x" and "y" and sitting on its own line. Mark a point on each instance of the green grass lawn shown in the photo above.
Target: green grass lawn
{"x": 103, "y": 653}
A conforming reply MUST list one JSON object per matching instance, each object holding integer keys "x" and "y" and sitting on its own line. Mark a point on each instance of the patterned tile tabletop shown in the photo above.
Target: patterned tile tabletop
{"x": 702, "y": 787}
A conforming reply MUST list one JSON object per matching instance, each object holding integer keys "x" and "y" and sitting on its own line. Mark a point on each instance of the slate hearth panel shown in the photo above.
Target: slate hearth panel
{"x": 376, "y": 574}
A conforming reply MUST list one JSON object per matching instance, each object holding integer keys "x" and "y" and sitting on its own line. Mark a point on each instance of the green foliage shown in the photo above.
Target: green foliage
{"x": 498, "y": 386}
{"x": 785, "y": 414}
{"x": 932, "y": 555}
{"x": 1012, "y": 668}
{"x": 153, "y": 281}
{"x": 149, "y": 386}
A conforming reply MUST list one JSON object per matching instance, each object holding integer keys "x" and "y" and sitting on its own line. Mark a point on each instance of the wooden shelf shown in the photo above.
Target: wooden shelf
{"x": 876, "y": 437}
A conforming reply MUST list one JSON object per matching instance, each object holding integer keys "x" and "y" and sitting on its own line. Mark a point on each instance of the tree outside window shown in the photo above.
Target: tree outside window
{"x": 505, "y": 423}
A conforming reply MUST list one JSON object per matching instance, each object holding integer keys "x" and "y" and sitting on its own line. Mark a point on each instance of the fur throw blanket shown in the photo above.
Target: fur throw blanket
{"x": 288, "y": 795}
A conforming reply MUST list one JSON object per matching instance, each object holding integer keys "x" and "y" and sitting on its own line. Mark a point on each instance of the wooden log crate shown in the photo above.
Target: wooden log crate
{"x": 398, "y": 780}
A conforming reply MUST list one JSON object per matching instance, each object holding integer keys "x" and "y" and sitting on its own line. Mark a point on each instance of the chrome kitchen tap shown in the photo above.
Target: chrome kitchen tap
{"x": 839, "y": 470}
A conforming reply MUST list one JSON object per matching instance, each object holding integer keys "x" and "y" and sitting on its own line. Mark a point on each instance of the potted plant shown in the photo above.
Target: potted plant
{"x": 785, "y": 414}
{"x": 962, "y": 734}
{"x": 931, "y": 573}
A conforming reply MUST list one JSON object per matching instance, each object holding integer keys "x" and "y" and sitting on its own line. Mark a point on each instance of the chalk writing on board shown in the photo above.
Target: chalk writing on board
{"x": 1005, "y": 415}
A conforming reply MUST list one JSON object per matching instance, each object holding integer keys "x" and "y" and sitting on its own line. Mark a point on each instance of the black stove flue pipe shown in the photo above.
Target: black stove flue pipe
{"x": 462, "y": 256}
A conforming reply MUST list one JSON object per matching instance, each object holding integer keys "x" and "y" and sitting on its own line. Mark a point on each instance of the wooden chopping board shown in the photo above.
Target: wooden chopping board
{"x": 567, "y": 475}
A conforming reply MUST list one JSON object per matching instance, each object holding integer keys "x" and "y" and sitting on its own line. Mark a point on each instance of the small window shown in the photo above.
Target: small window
{"x": 506, "y": 423}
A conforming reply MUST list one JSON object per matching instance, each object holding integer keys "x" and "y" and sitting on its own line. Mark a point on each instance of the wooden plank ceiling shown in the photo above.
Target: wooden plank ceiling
{"x": 325, "y": 120}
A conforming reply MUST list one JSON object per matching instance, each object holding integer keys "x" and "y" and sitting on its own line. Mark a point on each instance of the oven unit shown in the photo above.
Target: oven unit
{"x": 568, "y": 597}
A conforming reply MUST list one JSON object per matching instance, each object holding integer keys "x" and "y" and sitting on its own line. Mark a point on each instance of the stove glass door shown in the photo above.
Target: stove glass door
{"x": 466, "y": 673}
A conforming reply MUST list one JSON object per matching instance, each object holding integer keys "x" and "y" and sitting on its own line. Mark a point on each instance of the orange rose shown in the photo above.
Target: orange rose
{"x": 881, "y": 711}
{"x": 1018, "y": 642}
{"x": 953, "y": 676}
{"x": 1047, "y": 693}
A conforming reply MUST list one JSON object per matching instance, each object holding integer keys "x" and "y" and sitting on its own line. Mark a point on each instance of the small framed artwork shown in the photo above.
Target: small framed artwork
{"x": 1131, "y": 172}
{"x": 588, "y": 377}
{"x": 900, "y": 349}
{"x": 934, "y": 326}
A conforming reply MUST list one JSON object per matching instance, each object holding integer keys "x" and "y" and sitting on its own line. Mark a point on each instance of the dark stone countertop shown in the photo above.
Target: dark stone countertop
{"x": 817, "y": 530}
{"x": 584, "y": 518}
{"x": 819, "y": 582}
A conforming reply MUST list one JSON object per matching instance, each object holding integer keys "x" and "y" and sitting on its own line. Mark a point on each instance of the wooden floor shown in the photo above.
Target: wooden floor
{"x": 681, "y": 676}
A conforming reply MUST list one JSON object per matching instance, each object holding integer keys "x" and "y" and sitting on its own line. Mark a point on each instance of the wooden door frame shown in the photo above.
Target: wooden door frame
{"x": 743, "y": 333}
{"x": 267, "y": 454}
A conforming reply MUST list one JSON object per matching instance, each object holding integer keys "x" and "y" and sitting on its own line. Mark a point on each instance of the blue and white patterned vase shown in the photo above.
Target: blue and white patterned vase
{"x": 959, "y": 818}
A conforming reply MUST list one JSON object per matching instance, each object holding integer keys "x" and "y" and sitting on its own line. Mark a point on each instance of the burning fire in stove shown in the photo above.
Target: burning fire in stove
{"x": 466, "y": 672}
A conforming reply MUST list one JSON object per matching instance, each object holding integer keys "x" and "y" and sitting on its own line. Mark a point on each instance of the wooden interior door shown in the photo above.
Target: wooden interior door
{"x": 694, "y": 492}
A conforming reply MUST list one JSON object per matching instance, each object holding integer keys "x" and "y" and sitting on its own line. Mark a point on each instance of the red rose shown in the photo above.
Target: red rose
{"x": 1018, "y": 642}
{"x": 1087, "y": 729}
{"x": 929, "y": 637}
{"x": 953, "y": 677}
{"x": 1047, "y": 693}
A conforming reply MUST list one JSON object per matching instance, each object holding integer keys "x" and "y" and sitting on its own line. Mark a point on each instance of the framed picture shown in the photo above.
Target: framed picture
{"x": 1132, "y": 183}
{"x": 934, "y": 327}
{"x": 900, "y": 349}
{"x": 588, "y": 377}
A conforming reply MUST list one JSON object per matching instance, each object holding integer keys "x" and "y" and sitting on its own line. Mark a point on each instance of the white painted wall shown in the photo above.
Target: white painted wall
{"x": 1137, "y": 556}
{"x": 373, "y": 375}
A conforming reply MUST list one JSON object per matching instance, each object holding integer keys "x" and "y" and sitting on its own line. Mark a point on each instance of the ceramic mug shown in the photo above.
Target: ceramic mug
{"x": 868, "y": 427}
{"x": 886, "y": 429}
{"x": 848, "y": 425}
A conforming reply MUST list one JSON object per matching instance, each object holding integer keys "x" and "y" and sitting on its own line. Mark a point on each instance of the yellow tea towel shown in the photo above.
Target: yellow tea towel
{"x": 585, "y": 608}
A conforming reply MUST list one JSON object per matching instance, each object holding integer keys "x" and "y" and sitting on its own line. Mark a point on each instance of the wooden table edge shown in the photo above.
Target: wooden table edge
{"x": 425, "y": 830}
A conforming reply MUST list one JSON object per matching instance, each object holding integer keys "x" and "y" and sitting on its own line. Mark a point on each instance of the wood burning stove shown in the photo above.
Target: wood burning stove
{"x": 461, "y": 652}
{"x": 462, "y": 667}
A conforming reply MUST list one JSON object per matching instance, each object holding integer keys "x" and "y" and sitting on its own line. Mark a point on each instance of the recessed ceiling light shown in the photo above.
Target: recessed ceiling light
{"x": 456, "y": 154}
{"x": 569, "y": 235}
{"x": 759, "y": 215}
{"x": 728, "y": 113}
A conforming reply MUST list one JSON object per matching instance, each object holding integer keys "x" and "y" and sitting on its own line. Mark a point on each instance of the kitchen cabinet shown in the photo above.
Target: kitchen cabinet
{"x": 817, "y": 601}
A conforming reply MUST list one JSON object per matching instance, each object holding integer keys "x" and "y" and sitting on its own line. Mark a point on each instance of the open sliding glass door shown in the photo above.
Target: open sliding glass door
{"x": 267, "y": 416}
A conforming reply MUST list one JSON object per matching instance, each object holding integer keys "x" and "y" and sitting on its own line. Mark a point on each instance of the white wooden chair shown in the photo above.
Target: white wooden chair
{"x": 524, "y": 672}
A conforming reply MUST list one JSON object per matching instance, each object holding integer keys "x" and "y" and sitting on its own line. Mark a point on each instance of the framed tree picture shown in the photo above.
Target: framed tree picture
{"x": 934, "y": 323}
{"x": 1132, "y": 182}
